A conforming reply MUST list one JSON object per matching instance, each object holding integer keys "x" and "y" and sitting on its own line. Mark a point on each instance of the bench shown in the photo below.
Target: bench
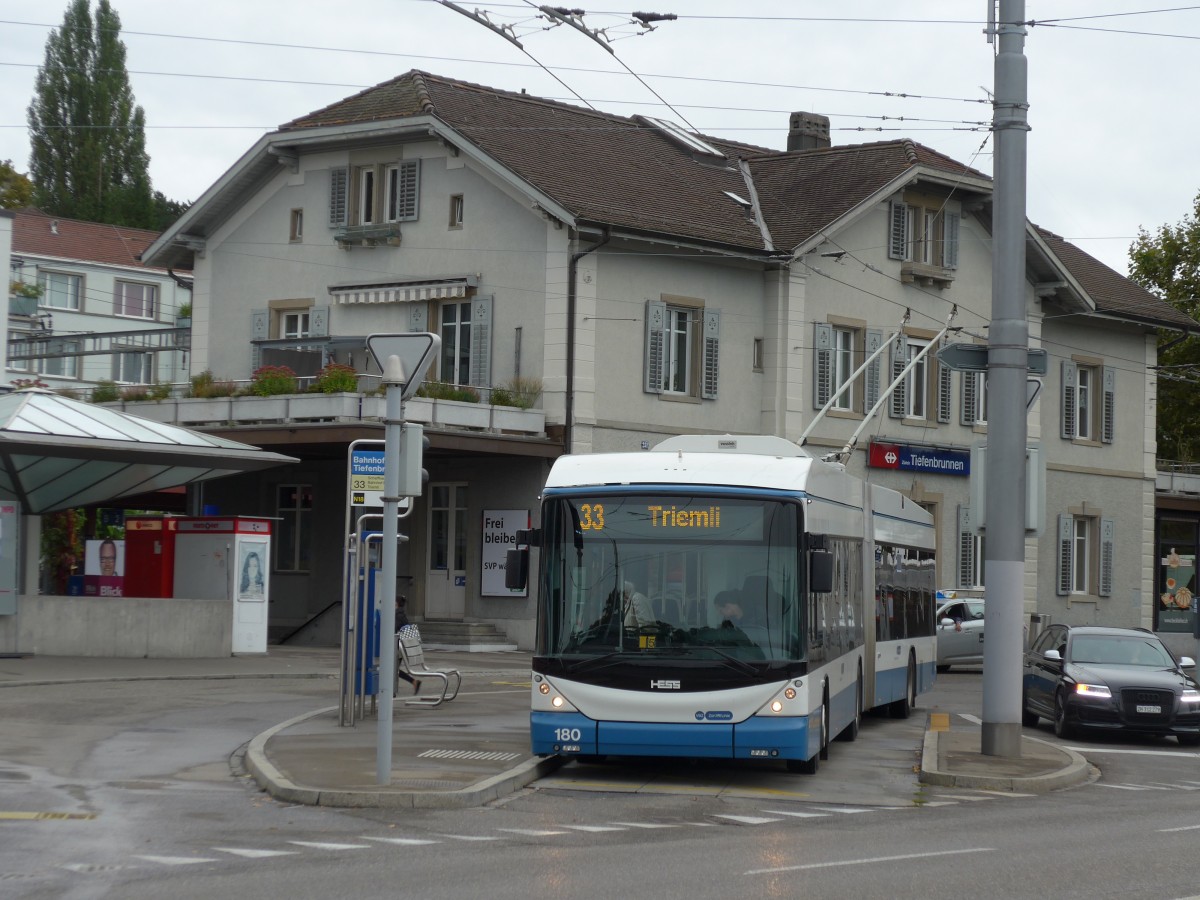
{"x": 413, "y": 657}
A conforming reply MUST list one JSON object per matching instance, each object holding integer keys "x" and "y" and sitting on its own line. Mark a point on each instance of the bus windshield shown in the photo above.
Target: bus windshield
{"x": 671, "y": 575}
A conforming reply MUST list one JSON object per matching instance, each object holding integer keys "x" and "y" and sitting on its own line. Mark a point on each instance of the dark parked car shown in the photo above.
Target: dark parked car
{"x": 1110, "y": 678}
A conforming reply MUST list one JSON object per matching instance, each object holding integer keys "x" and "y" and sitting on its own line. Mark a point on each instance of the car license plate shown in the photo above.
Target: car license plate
{"x": 1148, "y": 708}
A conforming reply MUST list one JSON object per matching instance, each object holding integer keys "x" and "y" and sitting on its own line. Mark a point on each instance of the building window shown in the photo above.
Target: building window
{"x": 136, "y": 301}
{"x": 296, "y": 226}
{"x": 456, "y": 211}
{"x": 366, "y": 195}
{"x": 834, "y": 355}
{"x": 293, "y": 535}
{"x": 682, "y": 348}
{"x": 456, "y": 343}
{"x": 403, "y": 191}
{"x": 60, "y": 366}
{"x": 910, "y": 399}
{"x": 133, "y": 368}
{"x": 1085, "y": 555}
{"x": 756, "y": 358}
{"x": 293, "y": 325}
{"x": 1088, "y": 401}
{"x": 923, "y": 234}
{"x": 974, "y": 398}
{"x": 971, "y": 551}
{"x": 60, "y": 290}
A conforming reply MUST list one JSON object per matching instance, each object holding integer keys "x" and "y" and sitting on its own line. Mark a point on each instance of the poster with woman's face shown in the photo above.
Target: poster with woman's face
{"x": 252, "y": 570}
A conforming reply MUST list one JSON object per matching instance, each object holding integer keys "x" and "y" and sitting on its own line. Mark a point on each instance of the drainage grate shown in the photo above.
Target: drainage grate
{"x": 467, "y": 754}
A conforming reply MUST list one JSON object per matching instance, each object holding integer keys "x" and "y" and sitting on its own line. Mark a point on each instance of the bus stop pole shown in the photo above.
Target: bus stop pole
{"x": 393, "y": 379}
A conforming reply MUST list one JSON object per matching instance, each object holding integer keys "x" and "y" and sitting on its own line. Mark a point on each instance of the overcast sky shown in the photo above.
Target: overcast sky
{"x": 1111, "y": 84}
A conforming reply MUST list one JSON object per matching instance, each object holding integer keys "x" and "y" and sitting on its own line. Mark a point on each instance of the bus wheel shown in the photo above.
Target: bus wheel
{"x": 850, "y": 732}
{"x": 902, "y": 709}
{"x": 824, "y": 754}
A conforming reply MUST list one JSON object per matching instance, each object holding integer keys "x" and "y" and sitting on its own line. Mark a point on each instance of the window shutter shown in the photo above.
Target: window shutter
{"x": 712, "y": 346}
{"x": 899, "y": 358}
{"x": 898, "y": 231}
{"x": 1109, "y": 408}
{"x": 408, "y": 190}
{"x": 1107, "y": 544}
{"x": 966, "y": 548}
{"x": 260, "y": 330}
{"x": 871, "y": 395}
{"x": 1065, "y": 549}
{"x": 417, "y": 316}
{"x": 970, "y": 387}
{"x": 339, "y": 188}
{"x": 318, "y": 321}
{"x": 822, "y": 364}
{"x": 943, "y": 406}
{"x": 481, "y": 342}
{"x": 1070, "y": 381}
{"x": 656, "y": 320}
{"x": 950, "y": 247}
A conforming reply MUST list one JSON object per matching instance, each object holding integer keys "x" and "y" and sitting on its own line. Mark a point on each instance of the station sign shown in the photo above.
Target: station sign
{"x": 366, "y": 479}
{"x": 919, "y": 459}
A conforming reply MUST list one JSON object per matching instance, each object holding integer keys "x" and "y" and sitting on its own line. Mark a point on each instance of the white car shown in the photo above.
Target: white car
{"x": 959, "y": 633}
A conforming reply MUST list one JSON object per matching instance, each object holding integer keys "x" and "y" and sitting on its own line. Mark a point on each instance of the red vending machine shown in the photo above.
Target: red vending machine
{"x": 150, "y": 556}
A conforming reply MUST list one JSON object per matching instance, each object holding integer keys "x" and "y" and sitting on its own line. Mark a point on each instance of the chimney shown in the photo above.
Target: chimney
{"x": 807, "y": 131}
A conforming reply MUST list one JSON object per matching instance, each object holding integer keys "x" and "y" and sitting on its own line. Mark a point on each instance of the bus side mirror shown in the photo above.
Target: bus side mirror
{"x": 516, "y": 569}
{"x": 820, "y": 571}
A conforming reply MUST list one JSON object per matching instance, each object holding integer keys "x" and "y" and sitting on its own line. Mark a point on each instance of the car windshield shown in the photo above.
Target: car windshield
{"x": 1117, "y": 650}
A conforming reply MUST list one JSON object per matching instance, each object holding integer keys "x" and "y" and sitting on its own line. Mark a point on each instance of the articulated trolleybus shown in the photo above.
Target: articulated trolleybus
{"x": 724, "y": 597}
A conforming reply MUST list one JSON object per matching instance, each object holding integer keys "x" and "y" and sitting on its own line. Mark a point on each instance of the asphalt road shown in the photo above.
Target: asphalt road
{"x": 150, "y": 762}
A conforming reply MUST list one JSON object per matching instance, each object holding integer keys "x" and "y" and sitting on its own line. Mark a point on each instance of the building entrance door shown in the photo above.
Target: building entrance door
{"x": 446, "y": 581}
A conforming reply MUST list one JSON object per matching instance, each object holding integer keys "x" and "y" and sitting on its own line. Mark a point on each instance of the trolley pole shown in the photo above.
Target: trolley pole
{"x": 1008, "y": 359}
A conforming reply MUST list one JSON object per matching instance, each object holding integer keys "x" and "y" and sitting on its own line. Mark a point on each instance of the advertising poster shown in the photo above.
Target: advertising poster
{"x": 1177, "y": 584}
{"x": 104, "y": 568}
{"x": 499, "y": 536}
{"x": 252, "y": 570}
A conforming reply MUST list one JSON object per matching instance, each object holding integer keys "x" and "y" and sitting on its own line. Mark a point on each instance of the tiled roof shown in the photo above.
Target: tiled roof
{"x": 1113, "y": 293}
{"x": 39, "y": 234}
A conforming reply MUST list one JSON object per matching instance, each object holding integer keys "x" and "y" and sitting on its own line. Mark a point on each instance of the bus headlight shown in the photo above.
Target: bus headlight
{"x": 776, "y": 706}
{"x": 557, "y": 702}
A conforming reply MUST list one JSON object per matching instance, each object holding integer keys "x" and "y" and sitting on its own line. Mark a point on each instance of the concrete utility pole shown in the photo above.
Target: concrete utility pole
{"x": 1008, "y": 358}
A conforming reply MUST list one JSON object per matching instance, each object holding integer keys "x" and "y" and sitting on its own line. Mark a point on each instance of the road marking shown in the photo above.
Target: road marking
{"x": 1145, "y": 787}
{"x": 1182, "y": 828}
{"x": 45, "y": 816}
{"x": 530, "y": 832}
{"x": 492, "y": 755}
{"x": 1175, "y": 787}
{"x": 321, "y": 845}
{"x": 844, "y": 810}
{"x": 255, "y": 854}
{"x": 1003, "y": 793}
{"x": 933, "y": 803}
{"x": 643, "y": 825}
{"x": 746, "y": 820}
{"x": 974, "y": 720}
{"x": 175, "y": 860}
{"x": 939, "y": 721}
{"x": 797, "y": 815}
{"x": 400, "y": 842}
{"x": 870, "y": 860}
{"x": 969, "y": 797}
{"x": 1091, "y": 750}
{"x": 596, "y": 828}
{"x": 1123, "y": 787}
{"x": 468, "y": 837}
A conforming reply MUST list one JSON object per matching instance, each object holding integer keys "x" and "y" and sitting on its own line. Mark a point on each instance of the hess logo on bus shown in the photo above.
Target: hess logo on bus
{"x": 663, "y": 684}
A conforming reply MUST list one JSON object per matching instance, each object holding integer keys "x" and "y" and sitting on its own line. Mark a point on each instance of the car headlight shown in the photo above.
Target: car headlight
{"x": 1098, "y": 691}
{"x": 1190, "y": 696}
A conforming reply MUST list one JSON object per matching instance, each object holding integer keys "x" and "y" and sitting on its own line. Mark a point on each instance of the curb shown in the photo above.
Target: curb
{"x": 271, "y": 780}
{"x": 1077, "y": 771}
{"x": 114, "y": 678}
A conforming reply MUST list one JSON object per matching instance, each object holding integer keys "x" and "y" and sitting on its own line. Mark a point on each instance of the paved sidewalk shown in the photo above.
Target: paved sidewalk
{"x": 476, "y": 748}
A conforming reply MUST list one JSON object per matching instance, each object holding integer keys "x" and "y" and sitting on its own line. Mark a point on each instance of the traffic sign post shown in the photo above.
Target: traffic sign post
{"x": 974, "y": 358}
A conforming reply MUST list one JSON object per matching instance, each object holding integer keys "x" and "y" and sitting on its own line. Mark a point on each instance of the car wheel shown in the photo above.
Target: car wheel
{"x": 1188, "y": 740}
{"x": 850, "y": 732}
{"x": 1028, "y": 719}
{"x": 1062, "y": 728}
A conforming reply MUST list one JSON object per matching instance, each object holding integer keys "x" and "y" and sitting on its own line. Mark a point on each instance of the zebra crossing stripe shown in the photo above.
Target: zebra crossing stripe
{"x": 400, "y": 842}
{"x": 175, "y": 860}
{"x": 530, "y": 832}
{"x": 321, "y": 845}
{"x": 797, "y": 815}
{"x": 1119, "y": 787}
{"x": 746, "y": 820}
{"x": 644, "y": 825}
{"x": 467, "y": 837}
{"x": 1181, "y": 828}
{"x": 255, "y": 854}
{"x": 844, "y": 810}
{"x": 1003, "y": 793}
{"x": 593, "y": 828}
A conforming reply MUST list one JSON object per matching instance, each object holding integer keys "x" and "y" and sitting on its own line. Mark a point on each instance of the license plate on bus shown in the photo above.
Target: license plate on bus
{"x": 1149, "y": 708}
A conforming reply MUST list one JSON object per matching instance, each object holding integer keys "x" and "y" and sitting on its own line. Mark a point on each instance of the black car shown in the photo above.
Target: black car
{"x": 1114, "y": 678}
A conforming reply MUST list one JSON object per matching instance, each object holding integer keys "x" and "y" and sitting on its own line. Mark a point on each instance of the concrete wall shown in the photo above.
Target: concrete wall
{"x": 129, "y": 627}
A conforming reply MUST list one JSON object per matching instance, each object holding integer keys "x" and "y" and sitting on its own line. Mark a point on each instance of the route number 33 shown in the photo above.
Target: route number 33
{"x": 591, "y": 517}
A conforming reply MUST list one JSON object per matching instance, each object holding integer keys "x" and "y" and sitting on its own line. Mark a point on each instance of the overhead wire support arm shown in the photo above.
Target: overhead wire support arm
{"x": 841, "y": 455}
{"x": 847, "y": 385}
{"x": 571, "y": 17}
{"x": 505, "y": 31}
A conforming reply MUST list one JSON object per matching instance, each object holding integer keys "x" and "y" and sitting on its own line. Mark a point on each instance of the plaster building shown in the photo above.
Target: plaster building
{"x": 651, "y": 282}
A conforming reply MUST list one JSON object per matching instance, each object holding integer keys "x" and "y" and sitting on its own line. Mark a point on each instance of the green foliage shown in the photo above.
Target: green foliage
{"x": 16, "y": 190}
{"x": 1167, "y": 264}
{"x": 438, "y": 390}
{"x": 267, "y": 381}
{"x": 88, "y": 155}
{"x": 184, "y": 311}
{"x": 523, "y": 393}
{"x": 167, "y": 211}
{"x": 105, "y": 392}
{"x": 205, "y": 386}
{"x": 25, "y": 289}
{"x": 335, "y": 378}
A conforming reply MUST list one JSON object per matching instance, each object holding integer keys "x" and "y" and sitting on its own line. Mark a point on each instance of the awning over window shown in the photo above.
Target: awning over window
{"x": 407, "y": 291}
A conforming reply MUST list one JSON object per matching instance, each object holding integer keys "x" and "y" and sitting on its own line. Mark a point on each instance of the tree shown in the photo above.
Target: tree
{"x": 1167, "y": 263}
{"x": 88, "y": 156}
{"x": 16, "y": 190}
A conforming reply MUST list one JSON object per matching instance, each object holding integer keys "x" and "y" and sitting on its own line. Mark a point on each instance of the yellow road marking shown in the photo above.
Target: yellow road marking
{"x": 939, "y": 721}
{"x": 40, "y": 816}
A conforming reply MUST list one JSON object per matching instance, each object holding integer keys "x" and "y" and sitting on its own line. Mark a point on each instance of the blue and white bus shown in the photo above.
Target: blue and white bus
{"x": 725, "y": 597}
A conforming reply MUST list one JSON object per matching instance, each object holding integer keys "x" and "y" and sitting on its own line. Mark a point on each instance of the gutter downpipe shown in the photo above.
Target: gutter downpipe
{"x": 569, "y": 411}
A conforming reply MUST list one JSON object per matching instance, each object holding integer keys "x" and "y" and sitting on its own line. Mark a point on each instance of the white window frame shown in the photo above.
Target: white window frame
{"x": 1086, "y": 547}
{"x": 1081, "y": 554}
{"x": 682, "y": 349}
{"x": 73, "y": 300}
{"x": 678, "y": 350}
{"x": 844, "y": 341}
{"x": 402, "y": 191}
{"x": 456, "y": 210}
{"x": 365, "y": 213}
{"x": 974, "y": 399}
{"x": 454, "y": 328}
{"x": 296, "y": 226}
{"x": 294, "y": 324}
{"x": 121, "y": 301}
{"x": 924, "y": 231}
{"x": 122, "y": 361}
{"x": 916, "y": 382}
{"x": 1088, "y": 401}
{"x": 68, "y": 365}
